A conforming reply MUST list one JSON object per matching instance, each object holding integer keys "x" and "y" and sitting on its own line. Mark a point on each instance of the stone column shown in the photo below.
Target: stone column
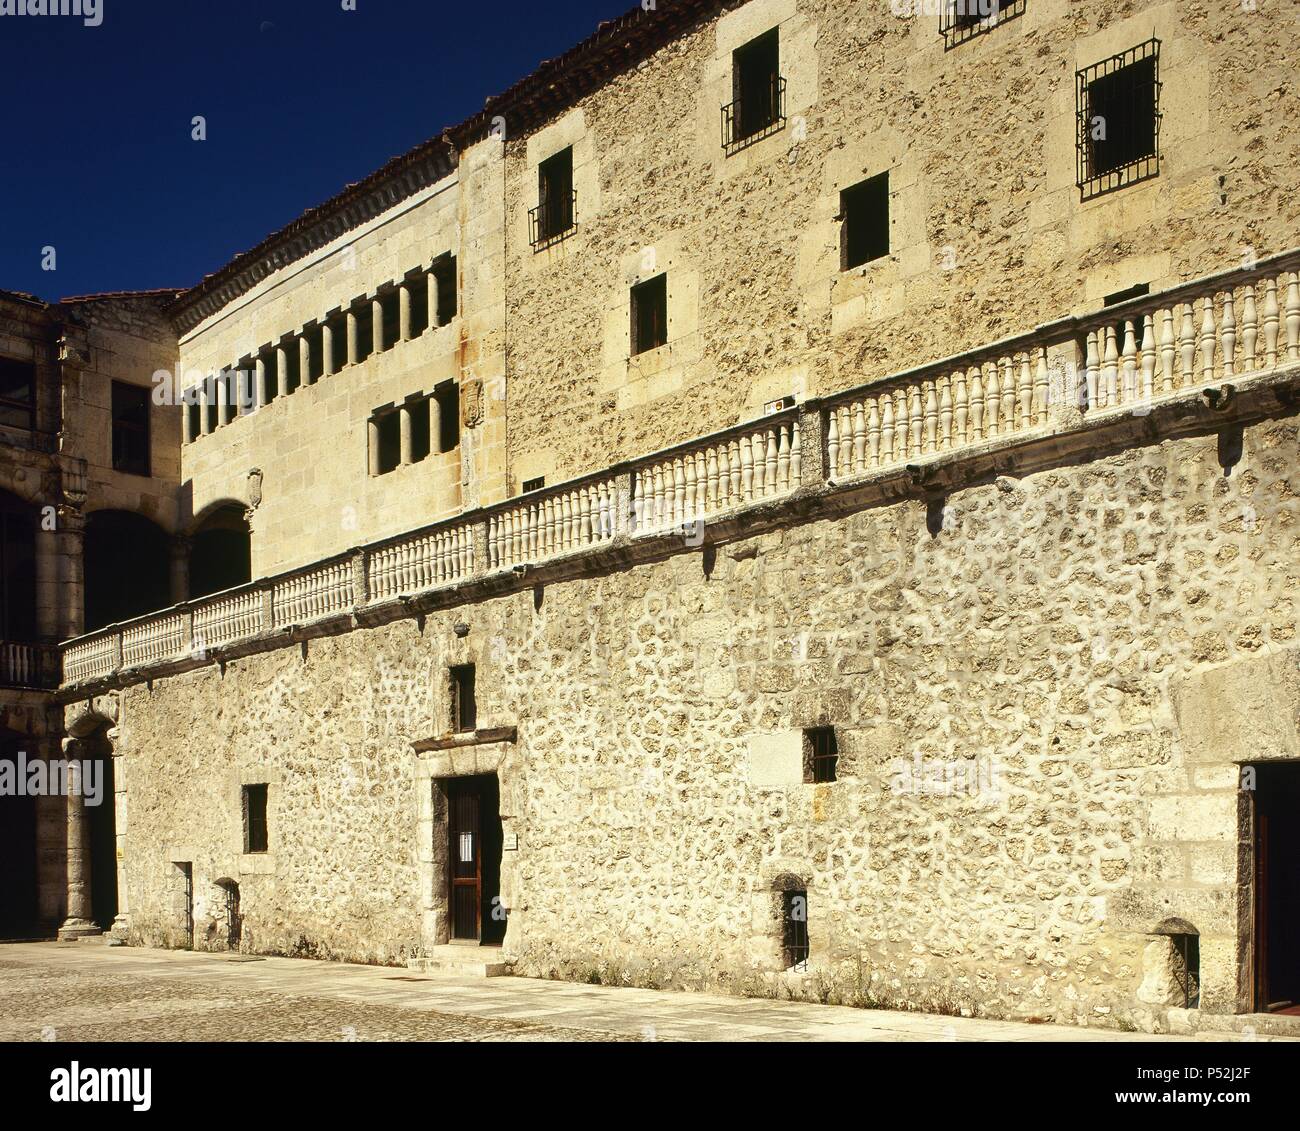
{"x": 262, "y": 388}
{"x": 78, "y": 923}
{"x": 281, "y": 371}
{"x": 354, "y": 350}
{"x": 404, "y": 311}
{"x": 51, "y": 839}
{"x": 433, "y": 299}
{"x": 376, "y": 326}
{"x": 223, "y": 399}
{"x": 49, "y": 612}
{"x": 121, "y": 927}
{"x": 207, "y": 396}
{"x": 406, "y": 428}
{"x": 187, "y": 427}
{"x": 304, "y": 360}
{"x": 435, "y": 426}
{"x": 72, "y": 550}
{"x": 181, "y": 548}
{"x": 373, "y": 429}
{"x": 326, "y": 348}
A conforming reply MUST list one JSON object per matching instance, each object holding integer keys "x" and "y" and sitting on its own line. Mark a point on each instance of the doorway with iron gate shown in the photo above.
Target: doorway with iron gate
{"x": 1277, "y": 887}
{"x": 475, "y": 914}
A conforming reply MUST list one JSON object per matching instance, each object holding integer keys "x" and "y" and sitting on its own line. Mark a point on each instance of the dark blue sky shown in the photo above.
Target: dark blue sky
{"x": 301, "y": 97}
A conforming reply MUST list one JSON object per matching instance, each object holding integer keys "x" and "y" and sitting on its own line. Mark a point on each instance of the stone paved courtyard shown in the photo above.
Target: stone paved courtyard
{"x": 90, "y": 992}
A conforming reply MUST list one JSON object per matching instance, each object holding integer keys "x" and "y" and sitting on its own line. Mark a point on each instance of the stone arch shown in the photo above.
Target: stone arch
{"x": 127, "y": 567}
{"x": 220, "y": 549}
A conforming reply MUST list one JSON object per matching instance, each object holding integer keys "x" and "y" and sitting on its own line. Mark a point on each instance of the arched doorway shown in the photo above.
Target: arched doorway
{"x": 18, "y": 885}
{"x": 127, "y": 568}
{"x": 221, "y": 555}
{"x": 96, "y": 754}
{"x": 17, "y": 570}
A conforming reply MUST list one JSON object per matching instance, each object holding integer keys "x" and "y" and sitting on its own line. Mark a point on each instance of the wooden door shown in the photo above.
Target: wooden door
{"x": 465, "y": 859}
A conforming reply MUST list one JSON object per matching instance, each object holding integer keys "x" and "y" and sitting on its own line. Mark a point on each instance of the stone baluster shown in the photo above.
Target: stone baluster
{"x": 961, "y": 409}
{"x": 770, "y": 478}
{"x": 931, "y": 431}
{"x": 886, "y": 403}
{"x": 1007, "y": 411}
{"x": 859, "y": 437}
{"x": 1272, "y": 322}
{"x": 1129, "y": 364}
{"x": 1091, "y": 368}
{"x": 833, "y": 440}
{"x": 1293, "y": 318}
{"x": 711, "y": 479}
{"x": 796, "y": 455}
{"x": 1207, "y": 339}
{"x": 746, "y": 472}
{"x": 737, "y": 474}
{"x": 1228, "y": 335}
{"x": 1025, "y": 394}
{"x": 1148, "y": 357}
{"x": 873, "y": 434}
{"x": 992, "y": 400}
{"x": 915, "y": 421}
{"x": 1167, "y": 351}
{"x": 978, "y": 400}
{"x": 783, "y": 456}
{"x": 1187, "y": 344}
{"x": 1249, "y": 328}
{"x": 1041, "y": 389}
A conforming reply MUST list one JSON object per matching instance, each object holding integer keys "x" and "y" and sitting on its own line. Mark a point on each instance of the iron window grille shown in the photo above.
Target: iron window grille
{"x": 794, "y": 929}
{"x": 821, "y": 755}
{"x": 960, "y": 20}
{"x": 553, "y": 220}
{"x": 1118, "y": 107}
{"x": 1187, "y": 948}
{"x": 751, "y": 118}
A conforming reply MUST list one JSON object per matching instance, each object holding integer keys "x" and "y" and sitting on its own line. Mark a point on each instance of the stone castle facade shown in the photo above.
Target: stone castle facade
{"x": 789, "y": 492}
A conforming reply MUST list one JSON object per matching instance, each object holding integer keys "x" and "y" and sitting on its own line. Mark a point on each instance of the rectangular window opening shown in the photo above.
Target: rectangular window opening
{"x": 794, "y": 929}
{"x": 391, "y": 306}
{"x": 256, "y": 835}
{"x": 553, "y": 217}
{"x": 418, "y": 286}
{"x": 960, "y": 20}
{"x": 534, "y": 484}
{"x": 650, "y": 315}
{"x": 821, "y": 755}
{"x": 1118, "y": 107}
{"x": 130, "y": 428}
{"x": 365, "y": 316}
{"x": 444, "y": 278}
{"x": 390, "y": 441}
{"x": 292, "y": 365}
{"x": 448, "y": 397}
{"x": 17, "y": 394}
{"x": 464, "y": 707}
{"x": 339, "y": 334}
{"x": 864, "y": 222}
{"x": 419, "y": 410}
{"x": 758, "y": 90}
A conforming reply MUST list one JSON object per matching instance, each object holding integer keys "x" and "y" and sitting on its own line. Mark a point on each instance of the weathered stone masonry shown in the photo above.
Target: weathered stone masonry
{"x": 1068, "y": 623}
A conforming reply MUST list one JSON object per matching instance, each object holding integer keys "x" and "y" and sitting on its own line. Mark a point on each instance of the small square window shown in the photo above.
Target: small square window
{"x": 464, "y": 707}
{"x": 534, "y": 484}
{"x": 864, "y": 222}
{"x": 1118, "y": 106}
{"x": 256, "y": 834}
{"x": 130, "y": 428}
{"x": 821, "y": 755}
{"x": 650, "y": 314}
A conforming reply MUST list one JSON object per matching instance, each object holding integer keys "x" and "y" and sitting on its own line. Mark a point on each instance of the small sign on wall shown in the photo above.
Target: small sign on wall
{"x": 467, "y": 848}
{"x": 511, "y": 843}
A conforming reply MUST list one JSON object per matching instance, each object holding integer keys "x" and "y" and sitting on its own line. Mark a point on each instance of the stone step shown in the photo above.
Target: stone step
{"x": 1258, "y": 1024}
{"x": 461, "y": 962}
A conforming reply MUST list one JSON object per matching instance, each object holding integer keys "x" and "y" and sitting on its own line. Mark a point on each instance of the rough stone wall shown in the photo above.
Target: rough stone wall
{"x": 1048, "y": 631}
{"x": 988, "y": 233}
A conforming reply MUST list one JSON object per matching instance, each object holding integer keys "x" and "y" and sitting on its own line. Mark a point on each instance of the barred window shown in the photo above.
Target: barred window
{"x": 1118, "y": 106}
{"x": 256, "y": 834}
{"x": 960, "y": 20}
